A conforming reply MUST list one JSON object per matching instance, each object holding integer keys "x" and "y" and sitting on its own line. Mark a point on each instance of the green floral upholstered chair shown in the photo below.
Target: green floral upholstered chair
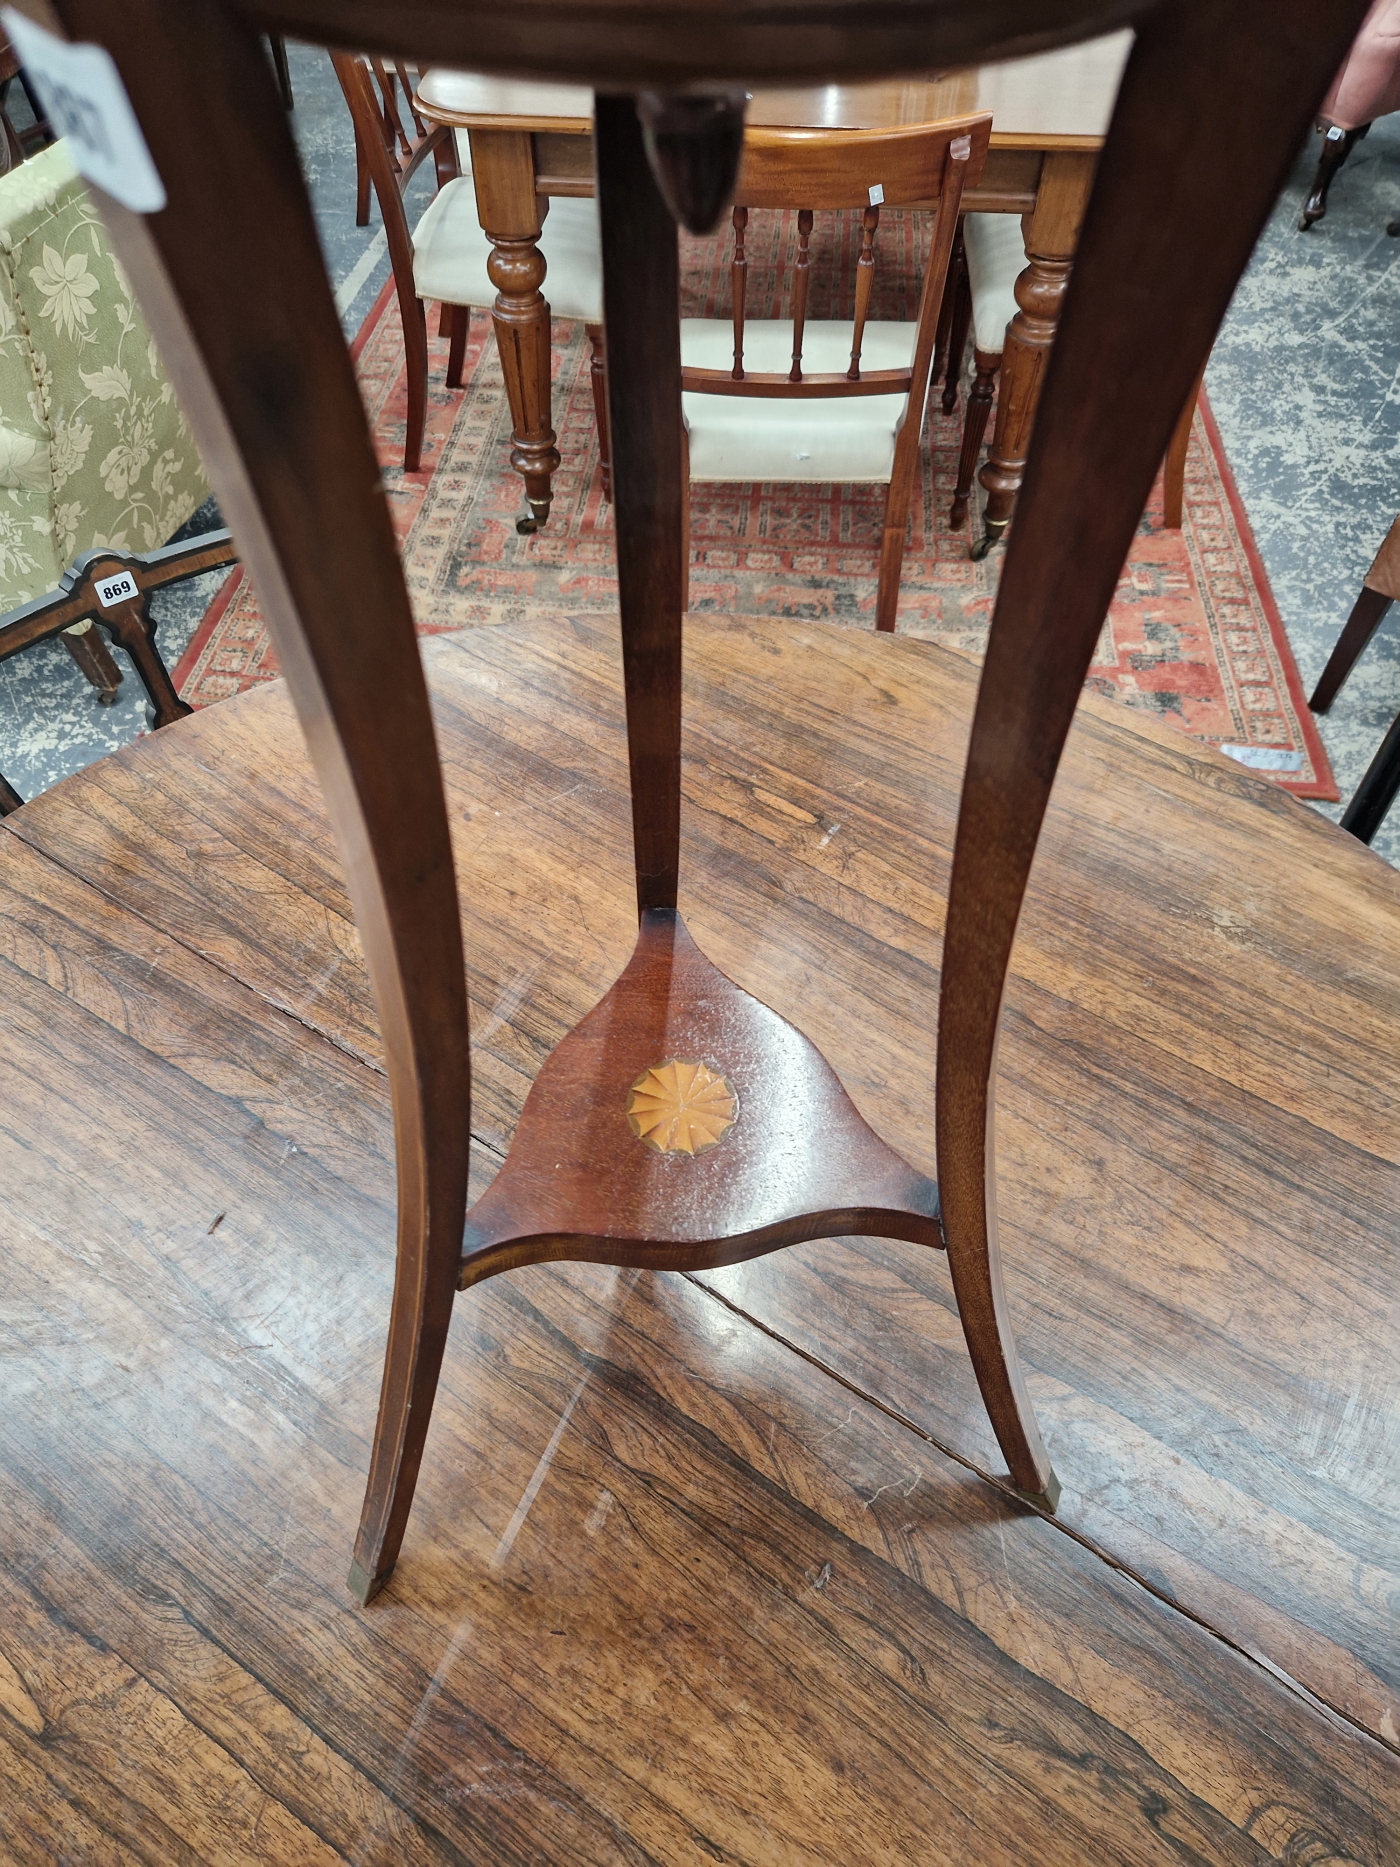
{"x": 96, "y": 463}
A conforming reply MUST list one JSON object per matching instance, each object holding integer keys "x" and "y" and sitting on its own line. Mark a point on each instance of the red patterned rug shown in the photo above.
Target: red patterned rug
{"x": 1193, "y": 636}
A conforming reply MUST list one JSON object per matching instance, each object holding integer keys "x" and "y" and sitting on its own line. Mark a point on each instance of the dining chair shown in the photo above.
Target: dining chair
{"x": 829, "y": 400}
{"x": 983, "y": 290}
{"x": 682, "y": 1124}
{"x": 448, "y": 258}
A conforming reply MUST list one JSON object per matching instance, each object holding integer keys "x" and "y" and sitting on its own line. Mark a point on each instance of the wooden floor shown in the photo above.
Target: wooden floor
{"x": 714, "y": 1568}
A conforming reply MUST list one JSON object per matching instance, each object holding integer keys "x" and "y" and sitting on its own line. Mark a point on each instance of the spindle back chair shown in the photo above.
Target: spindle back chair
{"x": 681, "y": 1124}
{"x": 788, "y": 429}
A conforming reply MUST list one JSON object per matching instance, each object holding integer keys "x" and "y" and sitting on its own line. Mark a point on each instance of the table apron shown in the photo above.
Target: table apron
{"x": 563, "y": 163}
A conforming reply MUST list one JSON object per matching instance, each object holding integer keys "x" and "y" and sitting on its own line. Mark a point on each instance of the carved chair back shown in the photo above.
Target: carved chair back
{"x": 266, "y": 379}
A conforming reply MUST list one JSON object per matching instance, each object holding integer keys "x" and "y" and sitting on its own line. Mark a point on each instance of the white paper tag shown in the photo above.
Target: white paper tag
{"x": 119, "y": 589}
{"x": 1264, "y": 758}
{"x": 960, "y": 148}
{"x": 86, "y": 101}
{"x": 877, "y": 194}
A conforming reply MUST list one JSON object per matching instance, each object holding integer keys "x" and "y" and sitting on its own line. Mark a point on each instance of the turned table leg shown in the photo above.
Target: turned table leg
{"x": 1052, "y": 229}
{"x": 503, "y": 170}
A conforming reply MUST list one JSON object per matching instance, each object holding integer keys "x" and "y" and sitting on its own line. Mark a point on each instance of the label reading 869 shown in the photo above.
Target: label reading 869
{"x": 119, "y": 589}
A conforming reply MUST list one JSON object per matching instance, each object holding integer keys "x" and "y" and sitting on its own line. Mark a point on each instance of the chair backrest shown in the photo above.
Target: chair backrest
{"x": 390, "y": 75}
{"x": 392, "y": 157}
{"x": 810, "y": 170}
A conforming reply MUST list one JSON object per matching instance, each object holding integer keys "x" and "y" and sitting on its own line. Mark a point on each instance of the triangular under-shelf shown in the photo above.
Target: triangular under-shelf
{"x": 683, "y": 1124}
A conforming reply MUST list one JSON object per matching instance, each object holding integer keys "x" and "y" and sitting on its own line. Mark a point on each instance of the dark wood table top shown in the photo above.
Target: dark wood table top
{"x": 700, "y": 1562}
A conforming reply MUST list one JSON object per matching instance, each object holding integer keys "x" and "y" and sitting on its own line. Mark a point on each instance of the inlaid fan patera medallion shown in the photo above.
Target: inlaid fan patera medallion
{"x": 681, "y": 1108}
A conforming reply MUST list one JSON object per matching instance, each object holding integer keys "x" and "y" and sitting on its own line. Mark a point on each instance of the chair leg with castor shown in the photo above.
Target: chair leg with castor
{"x": 979, "y": 406}
{"x": 1361, "y": 625}
{"x": 1337, "y": 145}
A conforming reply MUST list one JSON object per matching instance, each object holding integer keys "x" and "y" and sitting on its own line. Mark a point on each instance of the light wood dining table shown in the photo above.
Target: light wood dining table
{"x": 1049, "y": 118}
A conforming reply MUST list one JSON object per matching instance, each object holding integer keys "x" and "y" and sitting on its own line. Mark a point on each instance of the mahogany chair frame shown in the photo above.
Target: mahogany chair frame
{"x": 268, "y": 384}
{"x": 377, "y": 128}
{"x": 834, "y": 169}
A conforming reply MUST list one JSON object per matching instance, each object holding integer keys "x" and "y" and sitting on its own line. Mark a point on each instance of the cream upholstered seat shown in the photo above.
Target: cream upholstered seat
{"x": 996, "y": 258}
{"x": 742, "y": 438}
{"x": 450, "y": 252}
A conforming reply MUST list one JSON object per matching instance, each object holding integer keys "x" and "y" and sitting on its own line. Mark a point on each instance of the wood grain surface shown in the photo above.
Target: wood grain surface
{"x": 700, "y": 1568}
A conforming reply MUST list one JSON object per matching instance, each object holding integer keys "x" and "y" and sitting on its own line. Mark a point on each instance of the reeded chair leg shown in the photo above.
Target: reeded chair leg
{"x": 1337, "y": 145}
{"x": 598, "y": 377}
{"x": 979, "y": 405}
{"x": 1361, "y": 625}
{"x": 1375, "y": 794}
{"x": 85, "y": 644}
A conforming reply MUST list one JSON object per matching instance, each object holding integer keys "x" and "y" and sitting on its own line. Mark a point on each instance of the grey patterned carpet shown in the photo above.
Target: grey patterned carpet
{"x": 1305, "y": 383}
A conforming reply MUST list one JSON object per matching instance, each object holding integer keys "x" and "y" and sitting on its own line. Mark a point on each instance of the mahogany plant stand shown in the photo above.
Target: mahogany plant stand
{"x": 683, "y": 1123}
